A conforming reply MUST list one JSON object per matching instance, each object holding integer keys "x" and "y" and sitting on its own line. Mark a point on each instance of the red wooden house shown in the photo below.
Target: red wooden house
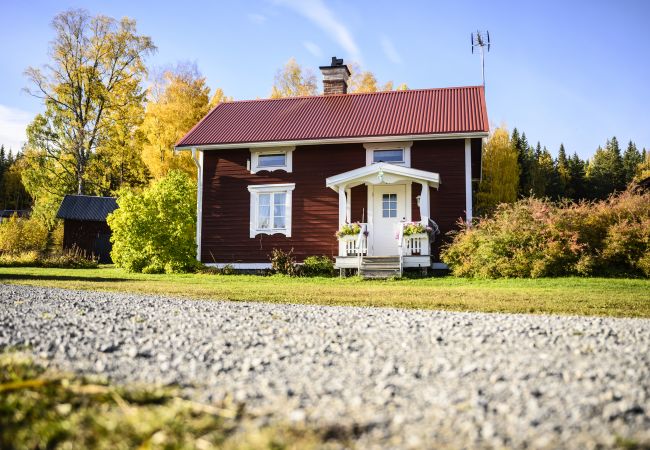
{"x": 289, "y": 173}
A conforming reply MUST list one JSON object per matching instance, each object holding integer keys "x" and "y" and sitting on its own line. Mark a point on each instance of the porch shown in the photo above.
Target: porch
{"x": 387, "y": 238}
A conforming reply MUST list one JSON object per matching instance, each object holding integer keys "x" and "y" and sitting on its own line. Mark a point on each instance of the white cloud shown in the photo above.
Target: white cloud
{"x": 321, "y": 15}
{"x": 13, "y": 122}
{"x": 257, "y": 18}
{"x": 390, "y": 51}
{"x": 313, "y": 48}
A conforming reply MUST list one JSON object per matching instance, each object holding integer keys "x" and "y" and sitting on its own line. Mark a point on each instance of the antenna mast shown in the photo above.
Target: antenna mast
{"x": 481, "y": 40}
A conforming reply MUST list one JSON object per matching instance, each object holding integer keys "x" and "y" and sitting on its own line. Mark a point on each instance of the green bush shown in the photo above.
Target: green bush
{"x": 283, "y": 262}
{"x": 318, "y": 266}
{"x": 314, "y": 266}
{"x": 19, "y": 235}
{"x": 154, "y": 231}
{"x": 538, "y": 238}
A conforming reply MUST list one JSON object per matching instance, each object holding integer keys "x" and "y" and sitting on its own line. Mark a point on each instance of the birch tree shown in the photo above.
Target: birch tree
{"x": 500, "y": 172}
{"x": 95, "y": 71}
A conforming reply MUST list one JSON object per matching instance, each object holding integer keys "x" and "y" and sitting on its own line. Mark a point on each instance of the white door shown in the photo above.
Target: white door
{"x": 389, "y": 208}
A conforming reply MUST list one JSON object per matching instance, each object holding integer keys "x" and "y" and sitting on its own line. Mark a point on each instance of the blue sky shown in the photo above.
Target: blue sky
{"x": 575, "y": 72}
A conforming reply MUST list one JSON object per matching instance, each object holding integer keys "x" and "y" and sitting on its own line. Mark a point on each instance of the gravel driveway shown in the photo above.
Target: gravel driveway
{"x": 400, "y": 378}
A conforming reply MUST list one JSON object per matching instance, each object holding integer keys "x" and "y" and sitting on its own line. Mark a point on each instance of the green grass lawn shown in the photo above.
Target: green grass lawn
{"x": 582, "y": 296}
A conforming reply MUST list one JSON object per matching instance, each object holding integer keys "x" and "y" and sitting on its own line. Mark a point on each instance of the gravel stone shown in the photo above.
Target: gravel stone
{"x": 391, "y": 378}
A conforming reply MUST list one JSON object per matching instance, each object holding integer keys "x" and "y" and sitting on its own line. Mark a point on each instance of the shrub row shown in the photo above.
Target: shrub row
{"x": 313, "y": 266}
{"x": 66, "y": 259}
{"x": 539, "y": 238}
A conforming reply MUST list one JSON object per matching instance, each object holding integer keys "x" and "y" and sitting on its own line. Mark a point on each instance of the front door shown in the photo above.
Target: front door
{"x": 389, "y": 208}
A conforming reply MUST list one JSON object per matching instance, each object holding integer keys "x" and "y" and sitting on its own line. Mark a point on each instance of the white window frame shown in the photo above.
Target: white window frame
{"x": 404, "y": 146}
{"x": 287, "y": 151}
{"x": 255, "y": 190}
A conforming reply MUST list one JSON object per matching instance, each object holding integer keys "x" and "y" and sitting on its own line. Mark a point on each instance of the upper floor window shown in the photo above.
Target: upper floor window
{"x": 278, "y": 158}
{"x": 389, "y": 156}
{"x": 389, "y": 152}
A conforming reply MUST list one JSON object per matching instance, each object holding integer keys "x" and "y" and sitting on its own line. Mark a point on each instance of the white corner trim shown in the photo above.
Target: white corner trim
{"x": 468, "y": 180}
{"x": 241, "y": 266}
{"x": 404, "y": 145}
{"x": 197, "y": 156}
{"x": 287, "y": 150}
{"x": 255, "y": 190}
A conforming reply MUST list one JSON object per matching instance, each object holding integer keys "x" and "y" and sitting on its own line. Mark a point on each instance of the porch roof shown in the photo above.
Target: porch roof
{"x": 381, "y": 173}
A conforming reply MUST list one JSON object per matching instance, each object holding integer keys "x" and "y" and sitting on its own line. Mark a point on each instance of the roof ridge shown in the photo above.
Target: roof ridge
{"x": 349, "y": 94}
{"x": 91, "y": 196}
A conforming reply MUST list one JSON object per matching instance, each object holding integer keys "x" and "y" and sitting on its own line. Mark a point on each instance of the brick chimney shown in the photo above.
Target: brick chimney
{"x": 335, "y": 77}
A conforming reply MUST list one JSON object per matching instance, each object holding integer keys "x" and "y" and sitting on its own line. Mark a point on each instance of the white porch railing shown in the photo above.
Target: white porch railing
{"x": 418, "y": 244}
{"x": 355, "y": 245}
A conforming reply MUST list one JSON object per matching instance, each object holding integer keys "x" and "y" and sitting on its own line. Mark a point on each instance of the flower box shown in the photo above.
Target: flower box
{"x": 417, "y": 236}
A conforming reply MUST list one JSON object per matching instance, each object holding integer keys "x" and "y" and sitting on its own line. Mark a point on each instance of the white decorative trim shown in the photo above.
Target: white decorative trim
{"x": 404, "y": 146}
{"x": 406, "y": 137}
{"x": 468, "y": 180}
{"x": 348, "y": 203}
{"x": 392, "y": 173}
{"x": 241, "y": 266}
{"x": 286, "y": 150}
{"x": 197, "y": 156}
{"x": 409, "y": 200}
{"x": 370, "y": 212}
{"x": 255, "y": 190}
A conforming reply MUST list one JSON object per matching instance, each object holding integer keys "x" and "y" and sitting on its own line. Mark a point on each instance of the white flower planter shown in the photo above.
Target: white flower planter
{"x": 417, "y": 236}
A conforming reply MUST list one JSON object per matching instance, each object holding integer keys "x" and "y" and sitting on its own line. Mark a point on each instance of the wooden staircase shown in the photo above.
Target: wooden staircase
{"x": 379, "y": 267}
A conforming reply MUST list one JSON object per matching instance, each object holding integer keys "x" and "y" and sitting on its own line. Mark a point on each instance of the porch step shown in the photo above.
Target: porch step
{"x": 379, "y": 267}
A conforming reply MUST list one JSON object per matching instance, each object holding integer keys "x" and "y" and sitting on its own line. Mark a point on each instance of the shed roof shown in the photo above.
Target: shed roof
{"x": 6, "y": 213}
{"x": 86, "y": 207}
{"x": 390, "y": 113}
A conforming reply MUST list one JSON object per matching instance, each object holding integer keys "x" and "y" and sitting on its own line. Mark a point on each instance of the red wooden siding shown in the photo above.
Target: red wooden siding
{"x": 448, "y": 202}
{"x": 226, "y": 203}
{"x": 226, "y": 200}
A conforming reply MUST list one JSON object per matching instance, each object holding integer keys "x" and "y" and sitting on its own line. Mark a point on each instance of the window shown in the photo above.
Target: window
{"x": 270, "y": 209}
{"x": 389, "y": 156}
{"x": 277, "y": 158}
{"x": 389, "y": 205}
{"x": 398, "y": 152}
{"x": 272, "y": 160}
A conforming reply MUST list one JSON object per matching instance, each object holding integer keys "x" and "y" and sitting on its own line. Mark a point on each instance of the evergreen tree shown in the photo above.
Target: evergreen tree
{"x": 563, "y": 175}
{"x": 546, "y": 175}
{"x": 605, "y": 171}
{"x": 632, "y": 159}
{"x": 617, "y": 173}
{"x": 526, "y": 165}
{"x": 643, "y": 170}
{"x": 538, "y": 181}
{"x": 575, "y": 189}
{"x": 2, "y": 162}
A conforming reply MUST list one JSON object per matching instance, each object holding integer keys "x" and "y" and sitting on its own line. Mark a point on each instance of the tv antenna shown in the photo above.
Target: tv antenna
{"x": 481, "y": 40}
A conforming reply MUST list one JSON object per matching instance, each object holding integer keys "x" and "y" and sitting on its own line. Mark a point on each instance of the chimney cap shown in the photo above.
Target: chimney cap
{"x": 336, "y": 63}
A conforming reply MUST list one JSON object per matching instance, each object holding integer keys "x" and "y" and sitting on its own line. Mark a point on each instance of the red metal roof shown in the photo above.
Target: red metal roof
{"x": 391, "y": 113}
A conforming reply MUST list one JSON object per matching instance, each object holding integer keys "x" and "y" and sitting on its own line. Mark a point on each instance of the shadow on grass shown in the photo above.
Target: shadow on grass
{"x": 23, "y": 276}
